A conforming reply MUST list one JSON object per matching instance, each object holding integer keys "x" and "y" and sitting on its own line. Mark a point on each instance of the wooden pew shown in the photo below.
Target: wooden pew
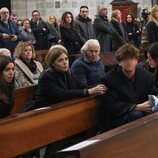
{"x": 22, "y": 96}
{"x": 138, "y": 139}
{"x": 108, "y": 58}
{"x": 24, "y": 132}
{"x": 40, "y": 55}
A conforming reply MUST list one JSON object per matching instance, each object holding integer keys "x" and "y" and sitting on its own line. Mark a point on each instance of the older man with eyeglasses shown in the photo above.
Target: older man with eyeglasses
{"x": 9, "y": 32}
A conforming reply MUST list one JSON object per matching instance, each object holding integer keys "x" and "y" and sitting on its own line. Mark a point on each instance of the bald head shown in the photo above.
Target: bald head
{"x": 4, "y": 14}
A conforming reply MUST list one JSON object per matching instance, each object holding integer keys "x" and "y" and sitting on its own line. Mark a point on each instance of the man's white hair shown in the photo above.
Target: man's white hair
{"x": 85, "y": 47}
{"x": 4, "y": 9}
{"x": 5, "y": 52}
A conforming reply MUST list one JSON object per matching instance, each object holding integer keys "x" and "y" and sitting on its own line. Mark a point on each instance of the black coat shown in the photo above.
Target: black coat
{"x": 40, "y": 32}
{"x": 121, "y": 37}
{"x": 54, "y": 87}
{"x": 152, "y": 32}
{"x": 6, "y": 108}
{"x": 71, "y": 40}
{"x": 133, "y": 33}
{"x": 124, "y": 94}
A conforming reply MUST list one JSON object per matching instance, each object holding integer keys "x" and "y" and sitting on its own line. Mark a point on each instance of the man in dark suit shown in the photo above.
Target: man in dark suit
{"x": 40, "y": 31}
{"x": 129, "y": 87}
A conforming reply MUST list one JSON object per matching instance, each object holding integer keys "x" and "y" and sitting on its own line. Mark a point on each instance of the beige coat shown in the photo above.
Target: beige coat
{"x": 23, "y": 75}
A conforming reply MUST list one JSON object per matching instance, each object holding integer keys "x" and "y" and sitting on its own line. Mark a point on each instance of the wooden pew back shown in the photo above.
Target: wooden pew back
{"x": 40, "y": 55}
{"x": 22, "y": 96}
{"x": 134, "y": 140}
{"x": 24, "y": 132}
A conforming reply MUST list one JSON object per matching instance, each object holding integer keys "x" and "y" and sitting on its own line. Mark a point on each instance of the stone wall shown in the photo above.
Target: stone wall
{"x": 24, "y": 8}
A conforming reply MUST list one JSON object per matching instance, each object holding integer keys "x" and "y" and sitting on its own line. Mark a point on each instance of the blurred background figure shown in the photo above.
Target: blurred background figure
{"x": 152, "y": 25}
{"x": 54, "y": 35}
{"x": 70, "y": 38}
{"x": 26, "y": 32}
{"x": 83, "y": 25}
{"x": 40, "y": 31}
{"x": 9, "y": 32}
{"x": 121, "y": 37}
{"x": 132, "y": 29}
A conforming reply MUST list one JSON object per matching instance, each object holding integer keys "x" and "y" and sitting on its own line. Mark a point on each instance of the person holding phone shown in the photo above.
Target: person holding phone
{"x": 9, "y": 32}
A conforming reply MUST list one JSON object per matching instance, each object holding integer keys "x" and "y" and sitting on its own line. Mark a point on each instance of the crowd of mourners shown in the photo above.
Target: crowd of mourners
{"x": 127, "y": 90}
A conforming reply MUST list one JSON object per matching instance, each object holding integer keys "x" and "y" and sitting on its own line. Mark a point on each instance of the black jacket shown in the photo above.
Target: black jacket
{"x": 54, "y": 87}
{"x": 121, "y": 37}
{"x": 123, "y": 94}
{"x": 71, "y": 40}
{"x": 40, "y": 32}
{"x": 133, "y": 33}
{"x": 6, "y": 108}
{"x": 84, "y": 28}
{"x": 152, "y": 32}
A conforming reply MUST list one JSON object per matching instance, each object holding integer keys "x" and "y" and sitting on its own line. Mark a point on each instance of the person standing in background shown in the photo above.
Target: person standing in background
{"x": 70, "y": 37}
{"x": 26, "y": 32}
{"x": 83, "y": 25}
{"x": 121, "y": 37}
{"x": 9, "y": 32}
{"x": 104, "y": 30}
{"x": 152, "y": 25}
{"x": 54, "y": 36}
{"x": 132, "y": 29}
{"x": 40, "y": 31}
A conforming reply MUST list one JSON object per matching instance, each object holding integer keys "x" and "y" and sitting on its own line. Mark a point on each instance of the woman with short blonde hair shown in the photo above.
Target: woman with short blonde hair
{"x": 152, "y": 25}
{"x": 27, "y": 70}
{"x": 21, "y": 47}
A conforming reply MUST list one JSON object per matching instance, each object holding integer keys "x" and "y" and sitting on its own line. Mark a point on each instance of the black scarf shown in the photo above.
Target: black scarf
{"x": 31, "y": 65}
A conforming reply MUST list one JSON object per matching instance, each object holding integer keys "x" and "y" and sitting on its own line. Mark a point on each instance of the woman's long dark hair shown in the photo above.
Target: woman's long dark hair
{"x": 153, "y": 51}
{"x": 63, "y": 20}
{"x": 4, "y": 61}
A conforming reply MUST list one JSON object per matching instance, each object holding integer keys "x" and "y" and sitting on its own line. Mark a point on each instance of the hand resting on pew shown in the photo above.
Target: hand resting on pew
{"x": 99, "y": 89}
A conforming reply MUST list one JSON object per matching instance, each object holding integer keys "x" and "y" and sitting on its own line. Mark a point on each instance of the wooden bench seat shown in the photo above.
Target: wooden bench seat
{"x": 138, "y": 139}
{"x": 21, "y": 133}
{"x": 22, "y": 96}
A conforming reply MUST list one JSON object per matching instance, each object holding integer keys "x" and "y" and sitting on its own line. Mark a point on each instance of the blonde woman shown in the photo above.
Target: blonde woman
{"x": 54, "y": 35}
{"x": 152, "y": 25}
{"x": 121, "y": 37}
{"x": 27, "y": 70}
